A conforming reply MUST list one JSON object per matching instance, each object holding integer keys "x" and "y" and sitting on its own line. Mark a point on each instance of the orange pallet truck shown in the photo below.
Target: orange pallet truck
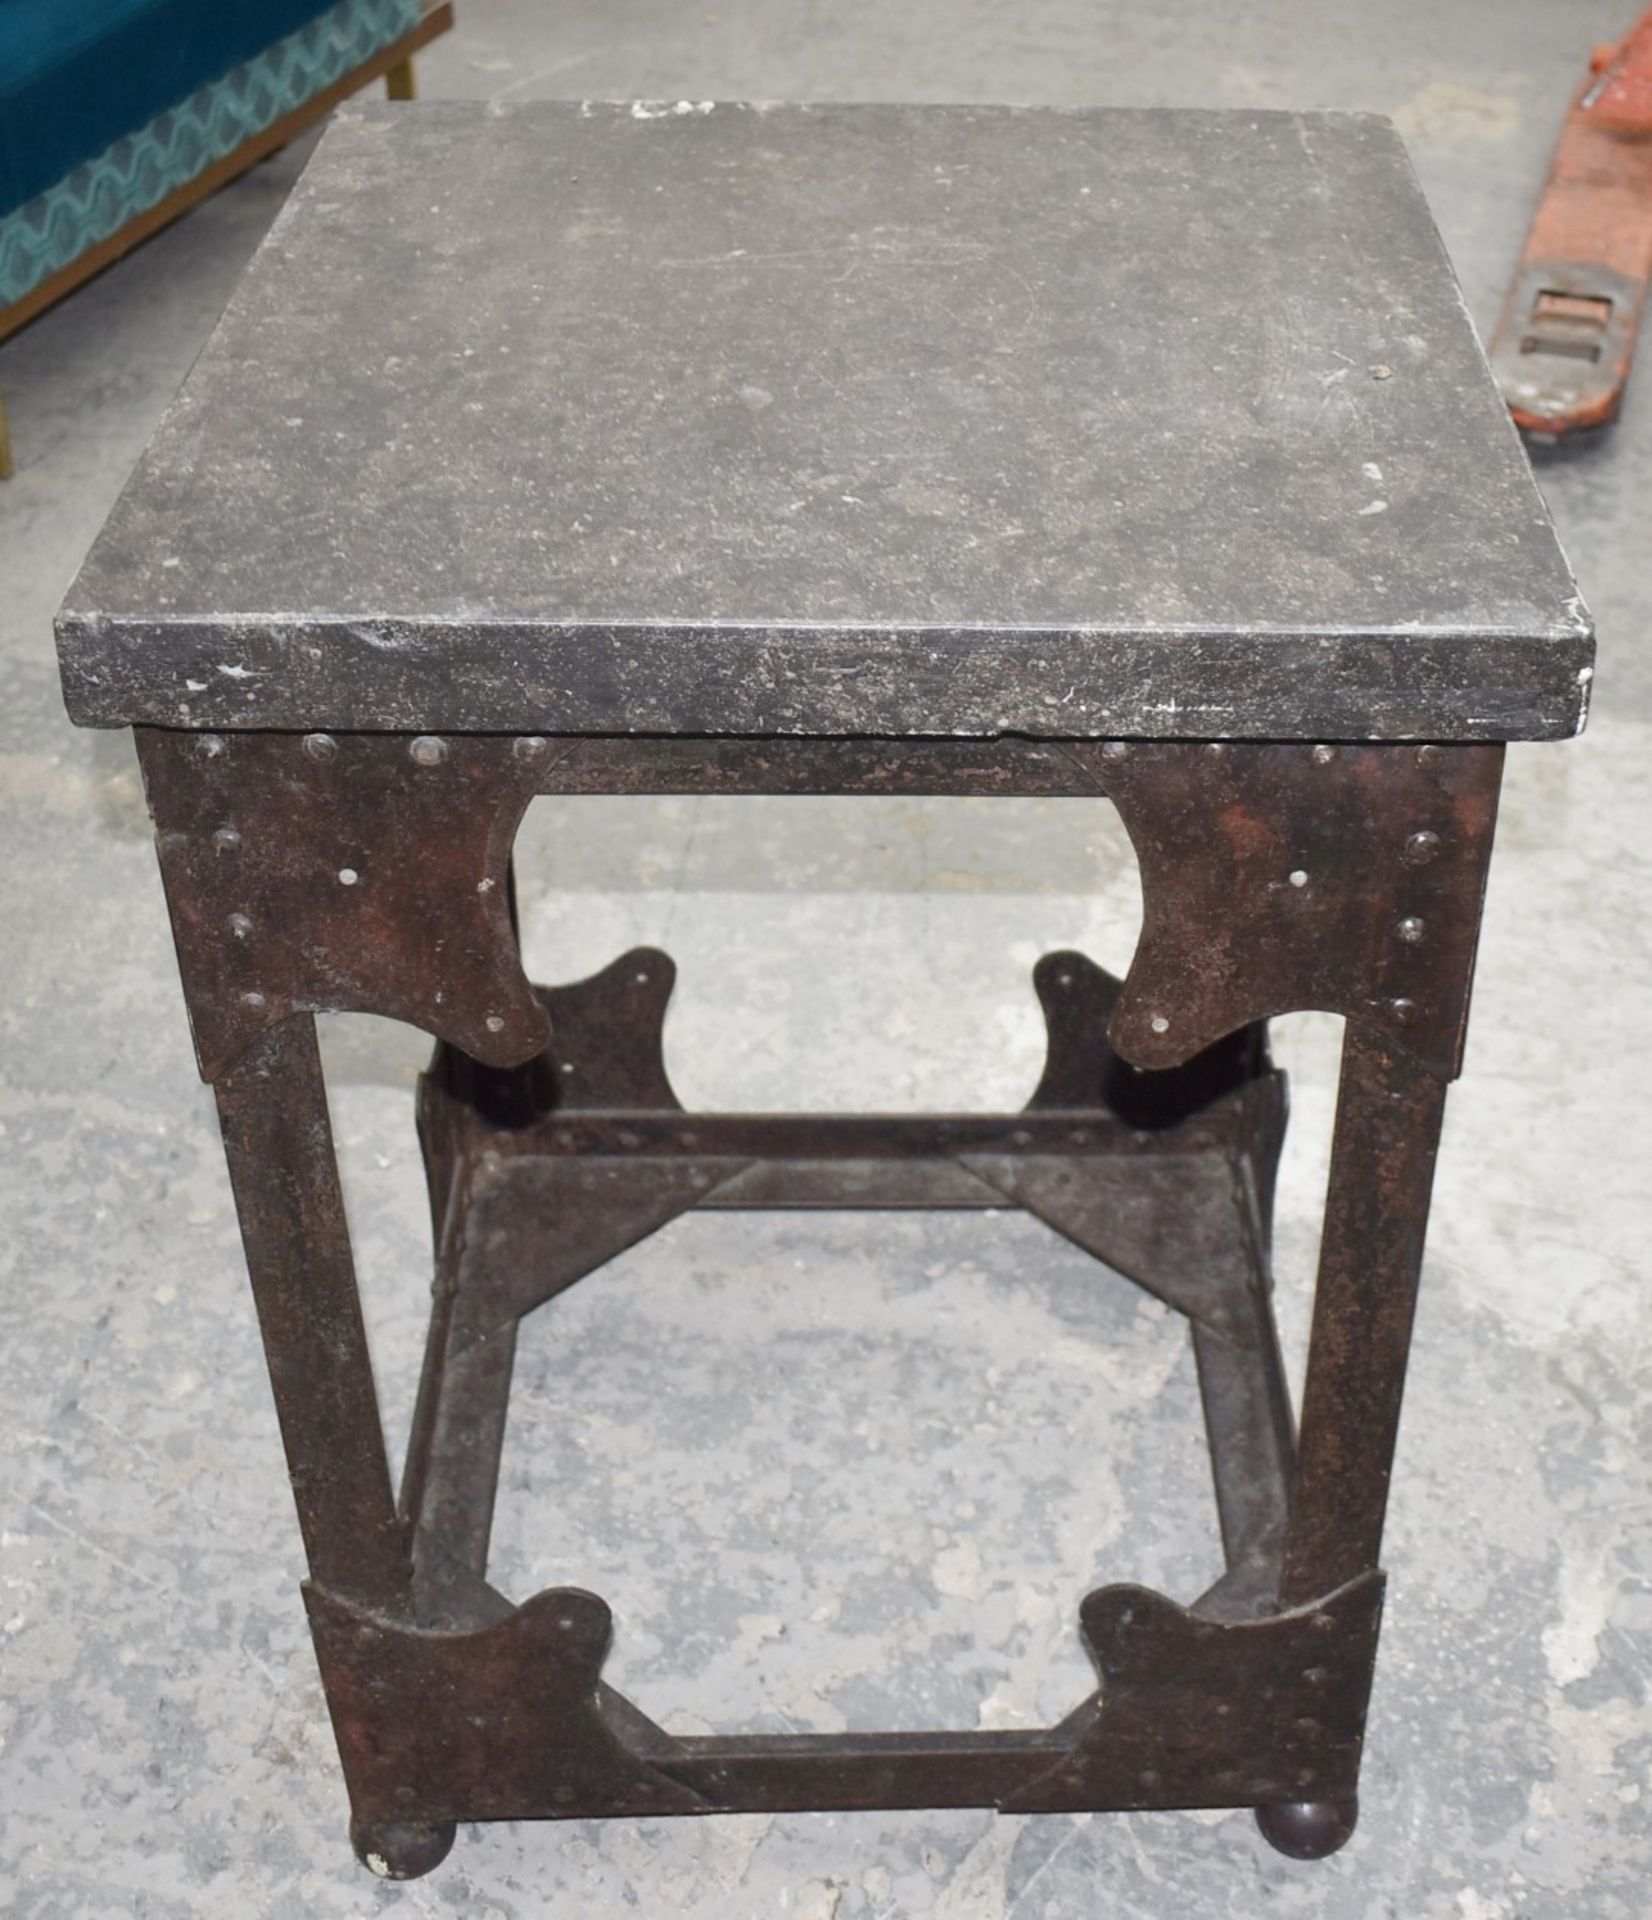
{"x": 1566, "y": 338}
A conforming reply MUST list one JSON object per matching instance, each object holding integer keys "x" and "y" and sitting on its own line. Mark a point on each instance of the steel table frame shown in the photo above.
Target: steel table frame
{"x": 317, "y": 872}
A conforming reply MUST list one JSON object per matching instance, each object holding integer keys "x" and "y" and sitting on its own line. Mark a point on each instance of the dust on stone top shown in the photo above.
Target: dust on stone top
{"x": 693, "y": 417}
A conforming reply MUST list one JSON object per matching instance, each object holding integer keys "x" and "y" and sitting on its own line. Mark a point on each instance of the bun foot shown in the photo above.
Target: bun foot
{"x": 1308, "y": 1829}
{"x": 401, "y": 1849}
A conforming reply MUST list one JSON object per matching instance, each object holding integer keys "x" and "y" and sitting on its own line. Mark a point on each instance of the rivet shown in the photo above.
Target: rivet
{"x": 1306, "y": 1777}
{"x": 210, "y": 745}
{"x": 320, "y": 746}
{"x": 1316, "y": 1676}
{"x": 1216, "y": 749}
{"x": 1420, "y": 848}
{"x": 1306, "y": 1725}
{"x": 253, "y": 1000}
{"x": 1299, "y": 878}
{"x": 528, "y": 746}
{"x": 226, "y": 840}
{"x": 1159, "y": 1023}
{"x": 1323, "y": 756}
{"x": 428, "y": 751}
{"x": 240, "y": 925}
{"x": 1430, "y": 756}
{"x": 347, "y": 876}
{"x": 1410, "y": 929}
{"x": 1150, "y": 1781}
{"x": 1322, "y": 1623}
{"x": 1114, "y": 749}
{"x": 1404, "y": 1012}
{"x": 494, "y": 1023}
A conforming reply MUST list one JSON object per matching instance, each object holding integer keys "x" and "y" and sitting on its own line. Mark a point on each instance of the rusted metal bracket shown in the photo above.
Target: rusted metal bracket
{"x": 506, "y": 1720}
{"x": 1274, "y": 1709}
{"x": 318, "y": 872}
{"x": 1566, "y": 338}
{"x": 509, "y": 1720}
{"x": 1347, "y": 879}
{"x": 369, "y": 872}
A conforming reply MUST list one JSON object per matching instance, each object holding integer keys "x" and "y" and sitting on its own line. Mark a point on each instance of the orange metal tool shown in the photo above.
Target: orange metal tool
{"x": 1566, "y": 338}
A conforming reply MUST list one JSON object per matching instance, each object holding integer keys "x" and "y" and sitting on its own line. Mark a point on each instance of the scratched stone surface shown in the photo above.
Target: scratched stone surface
{"x": 826, "y": 419}
{"x": 164, "y": 1750}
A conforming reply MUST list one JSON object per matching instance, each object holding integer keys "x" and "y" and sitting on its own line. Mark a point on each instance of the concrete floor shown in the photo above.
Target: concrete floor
{"x": 831, "y": 1545}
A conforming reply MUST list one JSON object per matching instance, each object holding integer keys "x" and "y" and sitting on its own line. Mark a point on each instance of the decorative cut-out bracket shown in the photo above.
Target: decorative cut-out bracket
{"x": 510, "y": 1720}
{"x": 369, "y": 872}
{"x": 1343, "y": 879}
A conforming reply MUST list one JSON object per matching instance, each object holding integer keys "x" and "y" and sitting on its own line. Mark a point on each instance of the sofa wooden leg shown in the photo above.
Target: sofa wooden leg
{"x": 399, "y": 81}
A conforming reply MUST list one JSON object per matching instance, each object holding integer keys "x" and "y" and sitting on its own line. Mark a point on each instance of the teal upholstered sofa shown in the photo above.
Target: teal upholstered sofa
{"x": 117, "y": 115}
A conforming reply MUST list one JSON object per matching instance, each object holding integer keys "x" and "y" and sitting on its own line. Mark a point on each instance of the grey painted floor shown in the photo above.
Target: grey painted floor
{"x": 832, "y": 1545}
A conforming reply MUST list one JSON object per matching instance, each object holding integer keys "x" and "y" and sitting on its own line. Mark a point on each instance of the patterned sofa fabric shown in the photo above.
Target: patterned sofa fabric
{"x": 144, "y": 95}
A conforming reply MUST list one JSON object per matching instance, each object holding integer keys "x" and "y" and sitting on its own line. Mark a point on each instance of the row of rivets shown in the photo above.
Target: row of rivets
{"x": 427, "y": 750}
{"x": 228, "y": 840}
{"x": 1420, "y": 848}
{"x": 430, "y": 750}
{"x": 1322, "y": 755}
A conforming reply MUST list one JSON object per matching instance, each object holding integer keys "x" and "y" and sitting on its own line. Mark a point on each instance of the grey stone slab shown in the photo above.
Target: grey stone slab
{"x": 685, "y": 417}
